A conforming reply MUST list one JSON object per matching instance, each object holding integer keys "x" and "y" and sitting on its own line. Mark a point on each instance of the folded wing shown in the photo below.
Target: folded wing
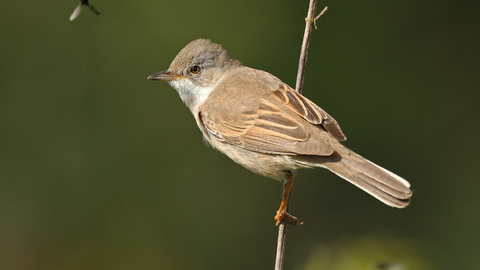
{"x": 284, "y": 123}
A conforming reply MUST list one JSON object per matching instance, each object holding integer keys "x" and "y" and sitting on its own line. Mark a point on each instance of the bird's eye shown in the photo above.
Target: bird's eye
{"x": 195, "y": 69}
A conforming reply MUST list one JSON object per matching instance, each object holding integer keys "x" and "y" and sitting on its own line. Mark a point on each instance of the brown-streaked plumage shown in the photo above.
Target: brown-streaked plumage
{"x": 264, "y": 125}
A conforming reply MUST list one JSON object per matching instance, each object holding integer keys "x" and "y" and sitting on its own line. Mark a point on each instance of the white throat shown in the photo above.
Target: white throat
{"x": 192, "y": 95}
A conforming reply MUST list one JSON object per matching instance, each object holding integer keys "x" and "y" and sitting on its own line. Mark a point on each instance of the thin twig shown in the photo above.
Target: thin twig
{"x": 309, "y": 21}
{"x": 282, "y": 235}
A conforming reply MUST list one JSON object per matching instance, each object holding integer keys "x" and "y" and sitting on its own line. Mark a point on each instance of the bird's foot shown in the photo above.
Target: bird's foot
{"x": 283, "y": 215}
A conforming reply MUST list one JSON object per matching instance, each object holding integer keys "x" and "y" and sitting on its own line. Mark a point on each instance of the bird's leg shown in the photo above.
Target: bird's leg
{"x": 282, "y": 211}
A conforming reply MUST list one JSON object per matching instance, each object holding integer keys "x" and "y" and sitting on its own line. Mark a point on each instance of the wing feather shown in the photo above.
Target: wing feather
{"x": 308, "y": 110}
{"x": 276, "y": 121}
{"x": 268, "y": 130}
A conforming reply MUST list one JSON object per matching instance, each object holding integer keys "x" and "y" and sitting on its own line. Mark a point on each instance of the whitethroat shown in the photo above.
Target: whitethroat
{"x": 264, "y": 125}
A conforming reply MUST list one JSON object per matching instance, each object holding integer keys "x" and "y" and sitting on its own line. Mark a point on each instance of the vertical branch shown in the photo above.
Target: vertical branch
{"x": 282, "y": 235}
{"x": 305, "y": 45}
{"x": 309, "y": 22}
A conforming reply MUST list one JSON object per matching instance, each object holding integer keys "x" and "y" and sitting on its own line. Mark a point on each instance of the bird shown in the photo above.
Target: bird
{"x": 267, "y": 127}
{"x": 77, "y": 10}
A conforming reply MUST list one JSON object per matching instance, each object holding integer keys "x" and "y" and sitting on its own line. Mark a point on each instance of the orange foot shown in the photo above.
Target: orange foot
{"x": 283, "y": 215}
{"x": 282, "y": 211}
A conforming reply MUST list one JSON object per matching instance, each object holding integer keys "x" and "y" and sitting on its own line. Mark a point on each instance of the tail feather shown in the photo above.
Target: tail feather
{"x": 370, "y": 172}
{"x": 386, "y": 186}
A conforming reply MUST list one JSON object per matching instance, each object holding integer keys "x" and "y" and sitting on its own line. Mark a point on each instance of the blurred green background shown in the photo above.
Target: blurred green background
{"x": 102, "y": 169}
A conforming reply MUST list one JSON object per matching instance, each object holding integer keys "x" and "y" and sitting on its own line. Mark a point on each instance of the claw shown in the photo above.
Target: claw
{"x": 282, "y": 211}
{"x": 283, "y": 215}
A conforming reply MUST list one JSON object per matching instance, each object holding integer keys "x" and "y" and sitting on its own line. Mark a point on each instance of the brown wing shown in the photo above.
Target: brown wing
{"x": 269, "y": 116}
{"x": 308, "y": 110}
{"x": 266, "y": 129}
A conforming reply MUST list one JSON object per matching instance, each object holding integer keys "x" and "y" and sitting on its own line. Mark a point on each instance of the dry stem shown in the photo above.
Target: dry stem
{"x": 309, "y": 22}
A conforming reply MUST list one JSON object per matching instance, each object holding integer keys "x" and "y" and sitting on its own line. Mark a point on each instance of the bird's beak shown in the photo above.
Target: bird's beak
{"x": 164, "y": 76}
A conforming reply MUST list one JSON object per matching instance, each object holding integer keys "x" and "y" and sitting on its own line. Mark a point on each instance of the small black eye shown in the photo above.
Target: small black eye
{"x": 195, "y": 69}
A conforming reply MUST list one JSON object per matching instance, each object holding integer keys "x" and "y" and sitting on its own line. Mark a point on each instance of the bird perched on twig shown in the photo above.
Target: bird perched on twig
{"x": 263, "y": 124}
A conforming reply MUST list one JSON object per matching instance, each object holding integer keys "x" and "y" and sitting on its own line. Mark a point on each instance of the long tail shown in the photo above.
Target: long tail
{"x": 386, "y": 186}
